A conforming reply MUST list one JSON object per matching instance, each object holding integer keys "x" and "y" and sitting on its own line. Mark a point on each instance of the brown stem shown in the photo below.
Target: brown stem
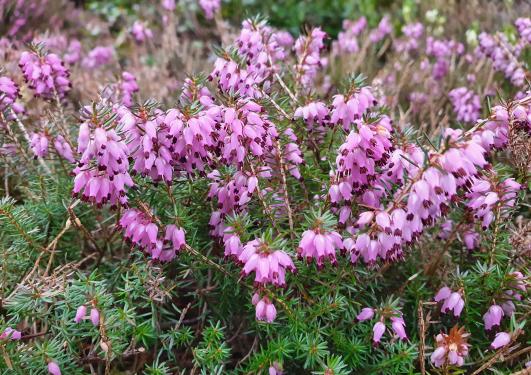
{"x": 285, "y": 188}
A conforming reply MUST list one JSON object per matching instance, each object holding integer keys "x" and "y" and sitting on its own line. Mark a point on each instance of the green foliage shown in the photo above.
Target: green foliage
{"x": 294, "y": 15}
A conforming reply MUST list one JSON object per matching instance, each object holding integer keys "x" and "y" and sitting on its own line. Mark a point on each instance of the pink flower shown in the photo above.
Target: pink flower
{"x": 11, "y": 334}
{"x": 398, "y": 325}
{"x": 442, "y": 50}
{"x": 53, "y": 368}
{"x": 438, "y": 355}
{"x": 151, "y": 146}
{"x": 73, "y": 52}
{"x": 275, "y": 369}
{"x": 95, "y": 316}
{"x": 63, "y": 148}
{"x": 265, "y": 310}
{"x": 442, "y": 294}
{"x": 316, "y": 117}
{"x": 493, "y": 317}
{"x": 210, "y": 7}
{"x": 501, "y": 339}
{"x": 358, "y": 158}
{"x": 365, "y": 314}
{"x": 378, "y": 331}
{"x": 232, "y": 243}
{"x": 81, "y": 312}
{"x": 169, "y": 5}
{"x": 471, "y": 239}
{"x": 397, "y": 322}
{"x": 508, "y": 308}
{"x": 412, "y": 35}
{"x": 175, "y": 236}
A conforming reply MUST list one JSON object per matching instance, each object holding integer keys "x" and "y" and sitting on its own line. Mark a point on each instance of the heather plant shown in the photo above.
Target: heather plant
{"x": 277, "y": 203}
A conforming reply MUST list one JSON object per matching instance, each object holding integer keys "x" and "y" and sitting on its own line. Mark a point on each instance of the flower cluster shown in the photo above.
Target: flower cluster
{"x": 412, "y": 36}
{"x": 452, "y": 301}
{"x": 150, "y": 146}
{"x": 81, "y": 314}
{"x": 210, "y": 7}
{"x": 232, "y": 243}
{"x": 523, "y": 25}
{"x": 9, "y": 92}
{"x": 99, "y": 56}
{"x": 45, "y": 74}
{"x": 140, "y": 32}
{"x": 398, "y": 324}
{"x": 347, "y": 41}
{"x": 291, "y": 154}
{"x": 503, "y": 56}
{"x": 63, "y": 148}
{"x": 442, "y": 51}
{"x": 140, "y": 229}
{"x": 427, "y": 197}
{"x": 384, "y": 28}
{"x": 316, "y": 116}
{"x": 466, "y": 104}
{"x": 319, "y": 244}
{"x": 347, "y": 109}
{"x": 265, "y": 310}
{"x": 102, "y": 174}
{"x": 486, "y": 197}
{"x": 231, "y": 148}
{"x": 452, "y": 348}
{"x": 262, "y": 49}
{"x": 10, "y": 334}
{"x": 244, "y": 131}
{"x": 128, "y": 87}
{"x": 175, "y": 237}
{"x": 268, "y": 264}
{"x": 232, "y": 196}
{"x": 73, "y": 52}
{"x": 246, "y": 68}
{"x": 232, "y": 78}
{"x": 39, "y": 144}
{"x": 308, "y": 52}
{"x": 358, "y": 157}
{"x": 516, "y": 284}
